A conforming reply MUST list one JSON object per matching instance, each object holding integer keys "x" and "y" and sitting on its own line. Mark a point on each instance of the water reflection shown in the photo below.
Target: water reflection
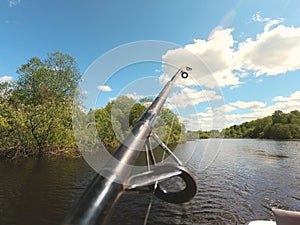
{"x": 240, "y": 183}
{"x": 39, "y": 192}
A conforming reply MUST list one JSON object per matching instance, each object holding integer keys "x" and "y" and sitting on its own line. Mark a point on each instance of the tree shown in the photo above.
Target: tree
{"x": 119, "y": 110}
{"x": 295, "y": 130}
{"x": 118, "y": 117}
{"x": 146, "y": 99}
{"x": 294, "y": 117}
{"x": 280, "y": 131}
{"x": 109, "y": 130}
{"x": 136, "y": 112}
{"x": 39, "y": 107}
{"x": 261, "y": 126}
{"x": 279, "y": 117}
{"x": 168, "y": 124}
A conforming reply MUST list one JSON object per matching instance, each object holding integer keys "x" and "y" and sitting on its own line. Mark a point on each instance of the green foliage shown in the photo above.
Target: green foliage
{"x": 295, "y": 130}
{"x": 53, "y": 79}
{"x": 105, "y": 128}
{"x": 169, "y": 124}
{"x": 193, "y": 135}
{"x": 278, "y": 126}
{"x": 36, "y": 110}
{"x": 279, "y": 131}
{"x": 118, "y": 117}
{"x": 146, "y": 99}
{"x": 136, "y": 112}
{"x": 279, "y": 117}
{"x": 260, "y": 128}
{"x": 36, "y": 115}
{"x": 119, "y": 110}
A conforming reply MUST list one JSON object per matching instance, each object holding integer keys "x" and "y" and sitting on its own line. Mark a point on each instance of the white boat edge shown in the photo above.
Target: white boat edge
{"x": 281, "y": 217}
{"x": 261, "y": 222}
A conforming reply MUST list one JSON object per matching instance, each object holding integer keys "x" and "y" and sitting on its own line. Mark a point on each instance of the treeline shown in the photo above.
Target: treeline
{"x": 36, "y": 112}
{"x": 118, "y": 117}
{"x": 36, "y": 115}
{"x": 278, "y": 126}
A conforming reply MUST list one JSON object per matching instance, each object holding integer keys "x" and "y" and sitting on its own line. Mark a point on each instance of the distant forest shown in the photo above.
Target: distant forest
{"x": 36, "y": 115}
{"x": 277, "y": 126}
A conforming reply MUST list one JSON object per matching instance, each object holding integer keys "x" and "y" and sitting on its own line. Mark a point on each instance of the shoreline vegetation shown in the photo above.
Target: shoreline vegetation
{"x": 36, "y": 115}
{"x": 278, "y": 126}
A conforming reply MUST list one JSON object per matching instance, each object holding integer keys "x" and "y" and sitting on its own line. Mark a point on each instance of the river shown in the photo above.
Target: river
{"x": 239, "y": 180}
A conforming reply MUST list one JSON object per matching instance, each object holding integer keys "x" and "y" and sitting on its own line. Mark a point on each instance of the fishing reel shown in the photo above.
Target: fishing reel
{"x": 152, "y": 180}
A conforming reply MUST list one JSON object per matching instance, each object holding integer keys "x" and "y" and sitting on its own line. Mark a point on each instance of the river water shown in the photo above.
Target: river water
{"x": 238, "y": 181}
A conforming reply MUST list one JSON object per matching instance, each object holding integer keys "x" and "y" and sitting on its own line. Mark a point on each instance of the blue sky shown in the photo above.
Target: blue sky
{"x": 251, "y": 47}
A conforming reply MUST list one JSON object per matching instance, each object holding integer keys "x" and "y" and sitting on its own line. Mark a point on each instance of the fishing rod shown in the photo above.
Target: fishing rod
{"x": 100, "y": 197}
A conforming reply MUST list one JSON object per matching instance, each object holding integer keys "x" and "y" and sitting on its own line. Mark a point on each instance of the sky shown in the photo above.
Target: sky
{"x": 245, "y": 54}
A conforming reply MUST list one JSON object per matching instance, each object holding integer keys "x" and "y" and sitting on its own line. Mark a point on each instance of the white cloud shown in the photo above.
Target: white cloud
{"x": 212, "y": 61}
{"x": 273, "y": 52}
{"x": 170, "y": 106}
{"x": 270, "y": 22}
{"x": 135, "y": 96}
{"x": 248, "y": 105}
{"x": 218, "y": 63}
{"x": 237, "y": 118}
{"x": 201, "y": 121}
{"x": 189, "y": 96}
{"x": 6, "y": 79}
{"x": 293, "y": 97}
{"x": 195, "y": 125}
{"x": 222, "y": 116}
{"x": 13, "y": 3}
{"x": 210, "y": 119}
{"x": 285, "y": 104}
{"x": 223, "y": 62}
{"x": 226, "y": 108}
{"x": 83, "y": 92}
{"x": 104, "y": 88}
{"x": 260, "y": 110}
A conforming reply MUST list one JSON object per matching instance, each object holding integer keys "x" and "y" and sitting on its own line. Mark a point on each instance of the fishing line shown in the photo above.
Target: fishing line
{"x": 171, "y": 128}
{"x": 150, "y": 205}
{"x": 155, "y": 186}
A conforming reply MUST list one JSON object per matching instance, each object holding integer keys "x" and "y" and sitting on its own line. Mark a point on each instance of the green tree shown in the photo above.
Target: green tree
{"x": 118, "y": 117}
{"x": 279, "y": 117}
{"x": 261, "y": 127}
{"x": 295, "y": 130}
{"x": 39, "y": 107}
{"x": 146, "y": 99}
{"x": 294, "y": 117}
{"x": 116, "y": 120}
{"x": 169, "y": 124}
{"x": 119, "y": 110}
{"x": 136, "y": 112}
{"x": 280, "y": 131}
{"x": 109, "y": 130}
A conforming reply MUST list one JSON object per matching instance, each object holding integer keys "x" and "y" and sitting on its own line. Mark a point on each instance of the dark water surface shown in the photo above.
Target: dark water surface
{"x": 240, "y": 183}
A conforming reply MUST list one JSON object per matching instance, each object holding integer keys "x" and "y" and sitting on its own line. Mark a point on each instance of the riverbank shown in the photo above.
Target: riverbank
{"x": 76, "y": 154}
